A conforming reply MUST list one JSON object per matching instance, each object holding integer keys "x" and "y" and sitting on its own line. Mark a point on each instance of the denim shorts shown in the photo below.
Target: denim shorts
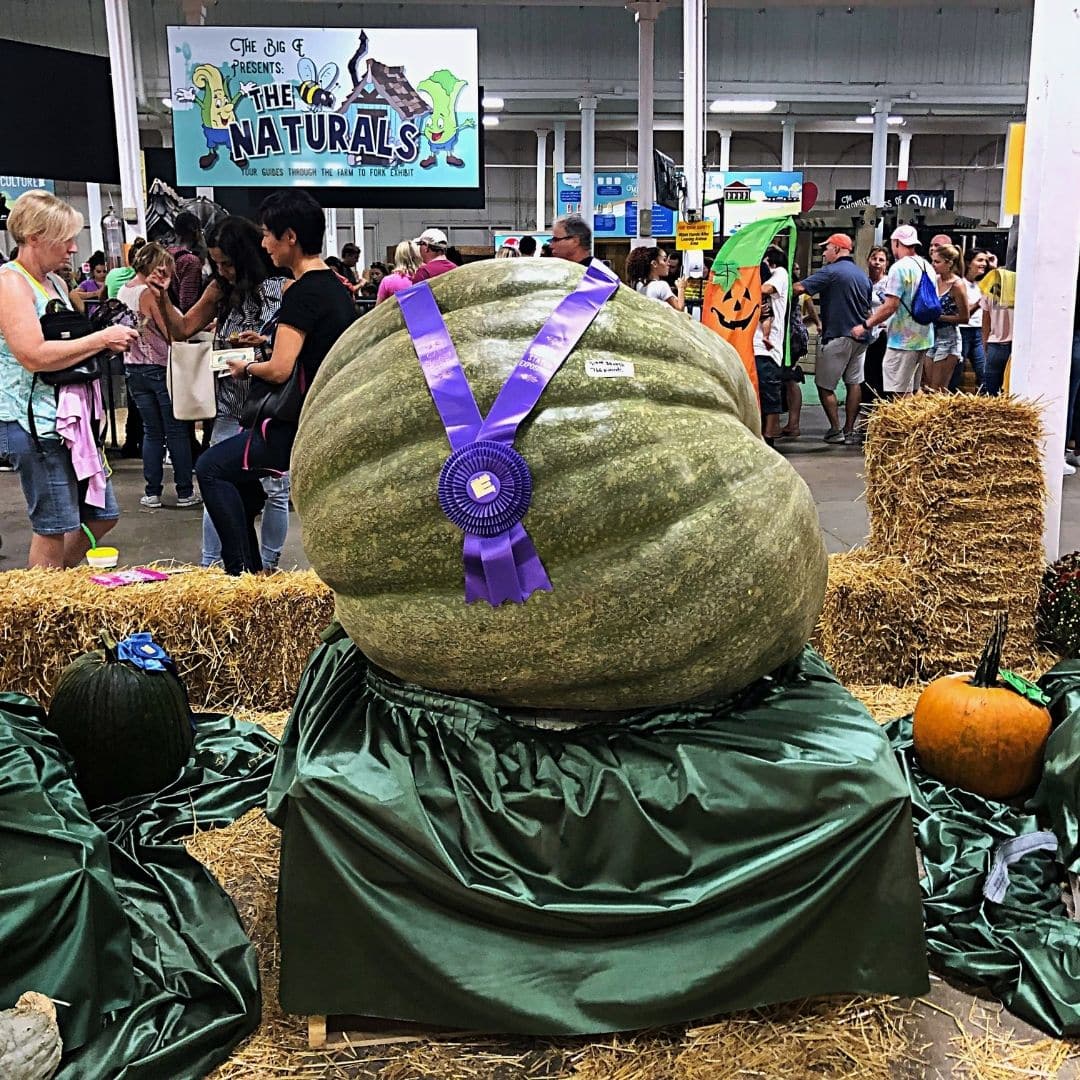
{"x": 49, "y": 485}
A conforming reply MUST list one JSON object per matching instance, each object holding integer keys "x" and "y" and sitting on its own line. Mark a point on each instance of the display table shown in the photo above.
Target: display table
{"x": 445, "y": 864}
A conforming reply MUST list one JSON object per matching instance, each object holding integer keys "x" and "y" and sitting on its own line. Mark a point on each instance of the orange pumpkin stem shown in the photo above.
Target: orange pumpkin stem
{"x": 987, "y": 672}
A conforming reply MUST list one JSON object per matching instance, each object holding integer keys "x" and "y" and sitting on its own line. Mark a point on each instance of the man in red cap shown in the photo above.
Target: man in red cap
{"x": 846, "y": 297}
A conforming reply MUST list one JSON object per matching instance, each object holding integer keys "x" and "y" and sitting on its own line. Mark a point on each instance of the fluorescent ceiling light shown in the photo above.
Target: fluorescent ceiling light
{"x": 491, "y": 121}
{"x": 167, "y": 102}
{"x": 493, "y": 104}
{"x": 741, "y": 105}
{"x": 894, "y": 121}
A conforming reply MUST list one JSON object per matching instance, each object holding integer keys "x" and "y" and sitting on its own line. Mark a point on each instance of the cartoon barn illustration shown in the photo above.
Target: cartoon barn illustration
{"x": 384, "y": 90}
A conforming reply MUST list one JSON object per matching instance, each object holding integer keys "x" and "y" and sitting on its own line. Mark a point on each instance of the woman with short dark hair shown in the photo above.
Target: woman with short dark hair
{"x": 314, "y": 311}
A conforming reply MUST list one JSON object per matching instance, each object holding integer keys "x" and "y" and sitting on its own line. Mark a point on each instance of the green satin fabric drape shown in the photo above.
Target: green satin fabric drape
{"x": 442, "y": 863}
{"x": 161, "y": 976}
{"x": 1025, "y": 950}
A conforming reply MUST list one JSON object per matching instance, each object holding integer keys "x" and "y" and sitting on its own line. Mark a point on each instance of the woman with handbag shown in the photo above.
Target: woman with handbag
{"x": 46, "y": 229}
{"x": 243, "y": 297}
{"x": 145, "y": 371}
{"x": 315, "y": 310}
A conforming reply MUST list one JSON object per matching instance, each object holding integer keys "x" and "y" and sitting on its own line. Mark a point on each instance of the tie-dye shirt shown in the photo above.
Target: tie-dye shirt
{"x": 904, "y": 278}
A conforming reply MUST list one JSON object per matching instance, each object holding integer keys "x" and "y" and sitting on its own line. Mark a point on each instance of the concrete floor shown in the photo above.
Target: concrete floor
{"x": 834, "y": 474}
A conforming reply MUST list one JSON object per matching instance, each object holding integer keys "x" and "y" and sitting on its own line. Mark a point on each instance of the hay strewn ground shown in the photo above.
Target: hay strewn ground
{"x": 955, "y": 493}
{"x": 831, "y": 1039}
{"x": 235, "y": 639}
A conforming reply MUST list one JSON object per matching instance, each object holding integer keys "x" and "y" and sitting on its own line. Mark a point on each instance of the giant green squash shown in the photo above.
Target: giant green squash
{"x": 685, "y": 555}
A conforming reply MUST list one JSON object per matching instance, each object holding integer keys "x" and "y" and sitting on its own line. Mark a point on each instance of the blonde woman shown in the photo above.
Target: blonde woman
{"x": 406, "y": 263}
{"x": 940, "y": 361}
{"x": 145, "y": 370}
{"x": 46, "y": 229}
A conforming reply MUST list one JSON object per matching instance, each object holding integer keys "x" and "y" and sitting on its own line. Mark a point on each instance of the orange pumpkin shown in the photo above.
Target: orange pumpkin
{"x": 974, "y": 733}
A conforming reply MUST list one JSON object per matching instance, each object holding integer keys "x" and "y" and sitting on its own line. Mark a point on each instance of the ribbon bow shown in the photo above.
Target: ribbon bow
{"x": 485, "y": 486}
{"x": 140, "y": 650}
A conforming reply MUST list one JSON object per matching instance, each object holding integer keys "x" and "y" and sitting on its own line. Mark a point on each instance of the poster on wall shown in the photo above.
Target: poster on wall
{"x": 750, "y": 196}
{"x": 363, "y": 109}
{"x": 11, "y": 187}
{"x": 614, "y": 204}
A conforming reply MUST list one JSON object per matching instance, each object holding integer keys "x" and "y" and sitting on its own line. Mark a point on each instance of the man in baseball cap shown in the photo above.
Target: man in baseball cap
{"x": 845, "y": 293}
{"x": 909, "y": 341}
{"x": 433, "y": 261}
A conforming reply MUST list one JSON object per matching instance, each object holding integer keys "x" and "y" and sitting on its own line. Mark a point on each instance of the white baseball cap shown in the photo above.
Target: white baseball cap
{"x": 435, "y": 237}
{"x": 906, "y": 235}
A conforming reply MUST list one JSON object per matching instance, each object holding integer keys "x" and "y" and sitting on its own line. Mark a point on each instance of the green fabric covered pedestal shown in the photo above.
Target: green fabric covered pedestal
{"x": 444, "y": 864}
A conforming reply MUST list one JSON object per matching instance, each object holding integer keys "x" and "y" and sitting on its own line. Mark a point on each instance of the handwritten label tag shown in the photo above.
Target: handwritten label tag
{"x": 609, "y": 369}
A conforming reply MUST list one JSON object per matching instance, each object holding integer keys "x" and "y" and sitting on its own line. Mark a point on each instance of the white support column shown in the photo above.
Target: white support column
{"x": 878, "y": 158}
{"x": 587, "y": 105}
{"x": 330, "y": 243}
{"x": 558, "y": 165}
{"x": 645, "y": 12}
{"x": 358, "y": 235}
{"x": 787, "y": 144}
{"x": 94, "y": 211}
{"x": 903, "y": 162}
{"x": 724, "y": 163}
{"x": 694, "y": 103}
{"x": 541, "y": 177}
{"x": 1005, "y": 219}
{"x": 122, "y": 60}
{"x": 1049, "y": 240}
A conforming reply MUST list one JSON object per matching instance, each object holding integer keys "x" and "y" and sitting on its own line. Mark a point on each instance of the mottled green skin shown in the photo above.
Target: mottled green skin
{"x": 685, "y": 554}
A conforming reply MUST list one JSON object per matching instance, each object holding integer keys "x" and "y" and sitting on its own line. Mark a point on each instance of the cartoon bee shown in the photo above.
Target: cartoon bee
{"x": 314, "y": 89}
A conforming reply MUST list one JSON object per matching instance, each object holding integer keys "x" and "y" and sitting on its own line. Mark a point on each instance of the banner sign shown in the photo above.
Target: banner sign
{"x": 343, "y": 108}
{"x": 11, "y": 187}
{"x": 932, "y": 200}
{"x": 750, "y": 196}
{"x": 512, "y": 239}
{"x": 694, "y": 236}
{"x": 614, "y": 204}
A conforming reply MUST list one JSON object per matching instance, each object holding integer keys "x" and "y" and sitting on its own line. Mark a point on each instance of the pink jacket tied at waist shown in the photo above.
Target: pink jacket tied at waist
{"x": 76, "y": 411}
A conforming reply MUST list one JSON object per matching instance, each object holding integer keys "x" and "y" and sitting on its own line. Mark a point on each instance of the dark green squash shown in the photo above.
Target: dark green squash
{"x": 685, "y": 555}
{"x": 127, "y": 730}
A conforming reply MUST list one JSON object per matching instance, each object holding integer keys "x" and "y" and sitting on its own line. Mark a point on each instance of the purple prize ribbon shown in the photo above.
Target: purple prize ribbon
{"x": 485, "y": 487}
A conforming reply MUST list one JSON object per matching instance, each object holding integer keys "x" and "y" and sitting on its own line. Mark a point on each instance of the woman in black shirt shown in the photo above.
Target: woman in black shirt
{"x": 315, "y": 310}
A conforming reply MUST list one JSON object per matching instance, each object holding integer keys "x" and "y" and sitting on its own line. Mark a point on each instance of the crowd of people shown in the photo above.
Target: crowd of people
{"x": 266, "y": 288}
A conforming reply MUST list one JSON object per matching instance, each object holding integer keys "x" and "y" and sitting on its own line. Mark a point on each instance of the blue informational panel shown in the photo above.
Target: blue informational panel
{"x": 11, "y": 187}
{"x": 614, "y": 204}
{"x": 750, "y": 196}
{"x": 315, "y": 108}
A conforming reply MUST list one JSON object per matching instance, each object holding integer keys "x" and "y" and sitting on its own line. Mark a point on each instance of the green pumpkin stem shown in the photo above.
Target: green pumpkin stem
{"x": 986, "y": 673}
{"x": 110, "y": 647}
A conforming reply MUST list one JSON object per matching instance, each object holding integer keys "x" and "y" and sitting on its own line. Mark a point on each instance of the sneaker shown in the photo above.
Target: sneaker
{"x": 5, "y": 465}
{"x": 194, "y": 499}
{"x": 1068, "y": 469}
{"x": 1071, "y": 458}
{"x": 151, "y": 502}
{"x": 851, "y": 439}
{"x": 834, "y": 435}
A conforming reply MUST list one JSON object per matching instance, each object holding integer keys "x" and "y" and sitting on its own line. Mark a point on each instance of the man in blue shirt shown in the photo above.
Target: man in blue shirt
{"x": 846, "y": 298}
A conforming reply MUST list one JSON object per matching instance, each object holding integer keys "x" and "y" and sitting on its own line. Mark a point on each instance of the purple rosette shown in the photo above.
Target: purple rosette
{"x": 485, "y": 486}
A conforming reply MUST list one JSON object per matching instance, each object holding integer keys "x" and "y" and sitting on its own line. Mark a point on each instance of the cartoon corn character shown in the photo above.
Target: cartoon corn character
{"x": 218, "y": 107}
{"x": 441, "y": 129}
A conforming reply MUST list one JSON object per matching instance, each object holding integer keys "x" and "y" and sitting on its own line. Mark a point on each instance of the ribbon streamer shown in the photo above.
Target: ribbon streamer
{"x": 485, "y": 484}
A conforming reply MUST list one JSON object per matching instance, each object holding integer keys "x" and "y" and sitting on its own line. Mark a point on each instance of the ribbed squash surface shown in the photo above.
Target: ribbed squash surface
{"x": 685, "y": 555}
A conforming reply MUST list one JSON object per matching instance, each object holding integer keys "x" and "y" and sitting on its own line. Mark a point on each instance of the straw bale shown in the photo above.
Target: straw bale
{"x": 869, "y": 628}
{"x": 955, "y": 494}
{"x": 234, "y": 639}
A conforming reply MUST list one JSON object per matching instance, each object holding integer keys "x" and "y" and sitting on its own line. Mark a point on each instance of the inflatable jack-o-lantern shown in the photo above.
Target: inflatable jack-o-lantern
{"x": 732, "y": 307}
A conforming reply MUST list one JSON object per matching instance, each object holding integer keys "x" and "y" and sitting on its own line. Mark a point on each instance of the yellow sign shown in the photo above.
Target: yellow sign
{"x": 693, "y": 236}
{"x": 1014, "y": 167}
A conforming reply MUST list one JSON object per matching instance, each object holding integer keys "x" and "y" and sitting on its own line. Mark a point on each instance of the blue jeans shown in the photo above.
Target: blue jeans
{"x": 971, "y": 348}
{"x": 997, "y": 357}
{"x": 1074, "y": 384}
{"x": 229, "y": 479}
{"x": 146, "y": 387}
{"x": 275, "y": 514}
